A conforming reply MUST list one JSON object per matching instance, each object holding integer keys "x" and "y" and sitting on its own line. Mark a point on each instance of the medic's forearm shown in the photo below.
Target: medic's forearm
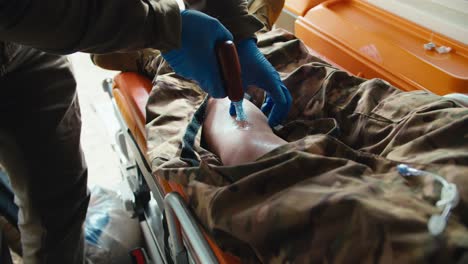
{"x": 234, "y": 15}
{"x": 97, "y": 26}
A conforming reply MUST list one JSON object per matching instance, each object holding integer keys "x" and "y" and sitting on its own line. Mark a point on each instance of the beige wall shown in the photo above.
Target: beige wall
{"x": 447, "y": 17}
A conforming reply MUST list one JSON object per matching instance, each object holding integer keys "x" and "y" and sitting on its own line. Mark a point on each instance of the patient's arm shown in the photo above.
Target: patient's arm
{"x": 233, "y": 144}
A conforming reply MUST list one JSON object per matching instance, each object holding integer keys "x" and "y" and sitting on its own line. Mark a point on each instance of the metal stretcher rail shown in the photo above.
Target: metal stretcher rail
{"x": 142, "y": 164}
{"x": 176, "y": 210}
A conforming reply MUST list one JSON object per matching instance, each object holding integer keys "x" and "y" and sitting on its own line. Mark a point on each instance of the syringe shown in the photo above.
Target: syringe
{"x": 231, "y": 72}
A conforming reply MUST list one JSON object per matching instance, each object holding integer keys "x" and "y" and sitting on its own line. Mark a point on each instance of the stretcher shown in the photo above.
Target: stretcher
{"x": 172, "y": 233}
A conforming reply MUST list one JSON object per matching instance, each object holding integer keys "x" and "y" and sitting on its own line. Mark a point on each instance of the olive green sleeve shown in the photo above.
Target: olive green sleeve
{"x": 234, "y": 15}
{"x": 97, "y": 26}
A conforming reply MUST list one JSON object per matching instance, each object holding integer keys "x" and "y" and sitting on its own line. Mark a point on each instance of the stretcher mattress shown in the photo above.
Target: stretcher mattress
{"x": 131, "y": 95}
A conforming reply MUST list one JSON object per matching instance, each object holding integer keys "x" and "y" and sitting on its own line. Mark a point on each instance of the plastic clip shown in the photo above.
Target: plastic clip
{"x": 449, "y": 198}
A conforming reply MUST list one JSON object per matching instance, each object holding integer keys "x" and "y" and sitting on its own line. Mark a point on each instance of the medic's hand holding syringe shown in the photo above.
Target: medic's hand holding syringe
{"x": 197, "y": 59}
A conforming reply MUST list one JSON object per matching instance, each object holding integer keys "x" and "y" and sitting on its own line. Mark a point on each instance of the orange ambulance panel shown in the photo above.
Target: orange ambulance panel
{"x": 370, "y": 42}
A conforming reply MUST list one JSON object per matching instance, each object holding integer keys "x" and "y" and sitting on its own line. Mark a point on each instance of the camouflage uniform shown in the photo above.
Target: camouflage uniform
{"x": 332, "y": 194}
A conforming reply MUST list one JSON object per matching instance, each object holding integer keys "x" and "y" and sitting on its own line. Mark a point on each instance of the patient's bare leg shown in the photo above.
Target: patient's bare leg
{"x": 232, "y": 144}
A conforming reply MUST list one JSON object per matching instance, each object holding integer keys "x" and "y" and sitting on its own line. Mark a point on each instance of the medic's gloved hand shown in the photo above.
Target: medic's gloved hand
{"x": 196, "y": 59}
{"x": 257, "y": 70}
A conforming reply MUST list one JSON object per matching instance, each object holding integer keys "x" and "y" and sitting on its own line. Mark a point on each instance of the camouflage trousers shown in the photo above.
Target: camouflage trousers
{"x": 40, "y": 128}
{"x": 332, "y": 194}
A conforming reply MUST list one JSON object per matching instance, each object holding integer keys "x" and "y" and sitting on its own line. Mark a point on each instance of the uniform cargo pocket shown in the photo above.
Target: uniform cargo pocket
{"x": 398, "y": 106}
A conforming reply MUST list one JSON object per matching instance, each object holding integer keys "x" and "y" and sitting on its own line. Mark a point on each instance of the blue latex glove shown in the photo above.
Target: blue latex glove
{"x": 257, "y": 70}
{"x": 196, "y": 59}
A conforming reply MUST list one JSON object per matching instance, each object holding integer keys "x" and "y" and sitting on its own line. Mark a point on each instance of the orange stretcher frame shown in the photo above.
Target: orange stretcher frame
{"x": 130, "y": 92}
{"x": 324, "y": 26}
